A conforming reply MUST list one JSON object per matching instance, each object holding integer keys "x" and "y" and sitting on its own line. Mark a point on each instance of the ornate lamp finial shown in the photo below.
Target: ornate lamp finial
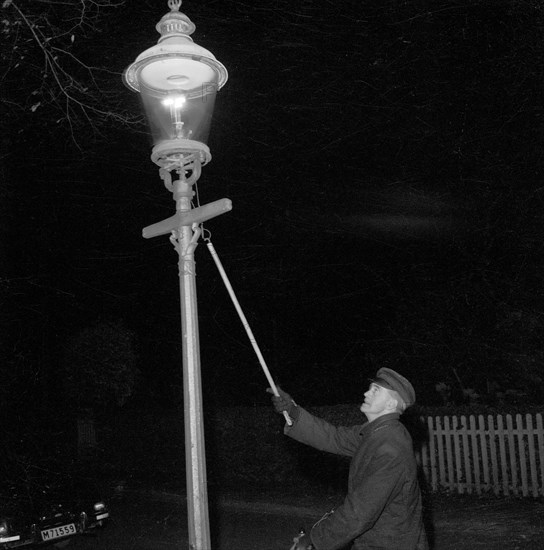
{"x": 174, "y": 5}
{"x": 174, "y": 23}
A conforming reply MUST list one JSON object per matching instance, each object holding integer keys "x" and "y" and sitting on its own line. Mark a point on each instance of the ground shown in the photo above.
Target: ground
{"x": 250, "y": 518}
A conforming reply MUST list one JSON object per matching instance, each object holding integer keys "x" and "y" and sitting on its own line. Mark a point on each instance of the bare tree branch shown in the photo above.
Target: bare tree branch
{"x": 70, "y": 89}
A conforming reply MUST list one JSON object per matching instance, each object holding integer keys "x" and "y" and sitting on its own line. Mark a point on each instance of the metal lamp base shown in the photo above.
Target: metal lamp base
{"x": 173, "y": 153}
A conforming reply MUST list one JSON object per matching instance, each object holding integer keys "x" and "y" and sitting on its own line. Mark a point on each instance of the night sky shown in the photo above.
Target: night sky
{"x": 384, "y": 160}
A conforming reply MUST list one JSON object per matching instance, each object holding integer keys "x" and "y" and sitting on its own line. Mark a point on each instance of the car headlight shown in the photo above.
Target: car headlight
{"x": 99, "y": 506}
{"x": 4, "y": 533}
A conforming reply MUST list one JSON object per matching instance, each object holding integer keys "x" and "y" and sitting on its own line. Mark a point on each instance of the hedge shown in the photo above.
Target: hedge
{"x": 243, "y": 445}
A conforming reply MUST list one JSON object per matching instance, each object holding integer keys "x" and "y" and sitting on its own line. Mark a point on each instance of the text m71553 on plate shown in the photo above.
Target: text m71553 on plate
{"x": 57, "y": 532}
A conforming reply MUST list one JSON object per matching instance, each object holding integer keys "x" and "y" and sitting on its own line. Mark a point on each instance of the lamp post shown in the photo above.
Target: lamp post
{"x": 178, "y": 80}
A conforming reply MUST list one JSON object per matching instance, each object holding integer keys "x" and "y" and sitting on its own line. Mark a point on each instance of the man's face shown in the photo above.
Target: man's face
{"x": 377, "y": 402}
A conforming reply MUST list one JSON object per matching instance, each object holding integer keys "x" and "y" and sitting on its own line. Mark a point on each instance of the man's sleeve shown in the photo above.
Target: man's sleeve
{"x": 373, "y": 487}
{"x": 318, "y": 433}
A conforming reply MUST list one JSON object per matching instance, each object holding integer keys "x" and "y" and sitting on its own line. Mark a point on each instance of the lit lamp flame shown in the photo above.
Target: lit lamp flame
{"x": 175, "y": 104}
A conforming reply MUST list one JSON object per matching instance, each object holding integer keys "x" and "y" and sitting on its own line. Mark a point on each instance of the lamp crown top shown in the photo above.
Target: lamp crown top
{"x": 174, "y": 23}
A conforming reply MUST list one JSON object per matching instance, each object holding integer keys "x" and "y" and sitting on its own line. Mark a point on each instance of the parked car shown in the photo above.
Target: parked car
{"x": 44, "y": 506}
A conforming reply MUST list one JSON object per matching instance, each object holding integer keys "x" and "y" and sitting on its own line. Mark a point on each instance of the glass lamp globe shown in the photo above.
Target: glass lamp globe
{"x": 177, "y": 81}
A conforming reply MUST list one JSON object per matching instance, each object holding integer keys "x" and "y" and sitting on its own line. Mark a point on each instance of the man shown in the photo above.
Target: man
{"x": 382, "y": 509}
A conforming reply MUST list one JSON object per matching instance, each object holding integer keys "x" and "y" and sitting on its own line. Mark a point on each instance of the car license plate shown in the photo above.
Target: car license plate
{"x": 57, "y": 532}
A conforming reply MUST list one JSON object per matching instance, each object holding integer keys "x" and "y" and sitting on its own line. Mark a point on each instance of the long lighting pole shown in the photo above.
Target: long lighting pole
{"x": 178, "y": 81}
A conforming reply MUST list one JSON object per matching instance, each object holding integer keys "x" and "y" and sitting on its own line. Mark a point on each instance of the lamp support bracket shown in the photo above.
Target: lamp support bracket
{"x": 188, "y": 168}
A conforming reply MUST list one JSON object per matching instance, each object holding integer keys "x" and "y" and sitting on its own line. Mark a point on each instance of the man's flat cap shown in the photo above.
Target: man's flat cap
{"x": 388, "y": 378}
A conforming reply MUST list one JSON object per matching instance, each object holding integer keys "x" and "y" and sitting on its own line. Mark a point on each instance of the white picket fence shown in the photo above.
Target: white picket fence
{"x": 485, "y": 454}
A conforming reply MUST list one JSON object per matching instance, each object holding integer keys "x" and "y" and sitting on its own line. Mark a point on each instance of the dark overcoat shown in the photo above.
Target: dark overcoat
{"x": 382, "y": 508}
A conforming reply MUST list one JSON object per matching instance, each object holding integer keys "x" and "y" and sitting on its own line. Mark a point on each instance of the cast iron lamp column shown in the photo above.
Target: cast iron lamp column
{"x": 177, "y": 81}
